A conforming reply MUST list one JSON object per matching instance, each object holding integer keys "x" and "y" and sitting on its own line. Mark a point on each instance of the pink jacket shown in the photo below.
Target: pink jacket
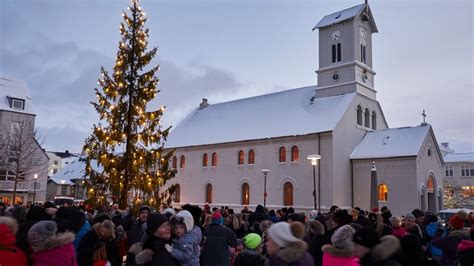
{"x": 57, "y": 252}
{"x": 338, "y": 257}
{"x": 399, "y": 232}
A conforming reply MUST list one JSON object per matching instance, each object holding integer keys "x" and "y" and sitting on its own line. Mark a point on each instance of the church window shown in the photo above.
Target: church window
{"x": 374, "y": 121}
{"x": 294, "y": 154}
{"x": 359, "y": 115}
{"x": 251, "y": 157}
{"x": 208, "y": 193}
{"x": 175, "y": 162}
{"x": 430, "y": 184}
{"x": 362, "y": 53}
{"x": 338, "y": 52}
{"x": 367, "y": 117}
{"x": 214, "y": 159}
{"x": 383, "y": 192}
{"x": 245, "y": 194}
{"x": 288, "y": 194}
{"x": 182, "y": 162}
{"x": 240, "y": 159}
{"x": 282, "y": 155}
{"x": 177, "y": 193}
{"x": 204, "y": 160}
{"x": 334, "y": 57}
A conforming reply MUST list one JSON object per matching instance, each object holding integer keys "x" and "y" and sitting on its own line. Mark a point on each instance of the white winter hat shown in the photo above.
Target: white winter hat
{"x": 168, "y": 212}
{"x": 187, "y": 219}
{"x": 281, "y": 234}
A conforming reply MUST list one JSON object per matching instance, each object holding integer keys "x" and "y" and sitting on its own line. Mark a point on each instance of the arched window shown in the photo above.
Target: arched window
{"x": 374, "y": 120}
{"x": 208, "y": 193}
{"x": 383, "y": 192}
{"x": 430, "y": 184}
{"x": 182, "y": 162}
{"x": 177, "y": 194}
{"x": 251, "y": 157}
{"x": 295, "y": 154}
{"x": 359, "y": 115}
{"x": 214, "y": 159}
{"x": 367, "y": 118}
{"x": 240, "y": 159}
{"x": 245, "y": 194}
{"x": 175, "y": 162}
{"x": 204, "y": 160}
{"x": 282, "y": 155}
{"x": 288, "y": 194}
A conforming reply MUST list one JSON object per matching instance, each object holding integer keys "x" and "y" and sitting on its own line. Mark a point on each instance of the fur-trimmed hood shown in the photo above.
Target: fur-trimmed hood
{"x": 337, "y": 252}
{"x": 58, "y": 240}
{"x": 388, "y": 246}
{"x": 292, "y": 252}
{"x": 461, "y": 233}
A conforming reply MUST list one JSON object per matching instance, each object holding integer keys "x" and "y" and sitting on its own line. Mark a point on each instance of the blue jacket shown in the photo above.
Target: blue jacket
{"x": 431, "y": 230}
{"x": 186, "y": 248}
{"x": 85, "y": 228}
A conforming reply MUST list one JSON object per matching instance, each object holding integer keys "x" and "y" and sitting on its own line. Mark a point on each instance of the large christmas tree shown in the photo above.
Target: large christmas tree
{"x": 127, "y": 142}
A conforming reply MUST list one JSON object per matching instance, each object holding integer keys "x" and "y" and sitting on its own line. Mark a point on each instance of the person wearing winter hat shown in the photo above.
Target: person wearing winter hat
{"x": 185, "y": 247}
{"x": 34, "y": 215}
{"x": 374, "y": 250}
{"x": 99, "y": 245}
{"x": 398, "y": 230}
{"x": 314, "y": 239}
{"x": 250, "y": 256}
{"x": 219, "y": 239}
{"x": 50, "y": 208}
{"x": 10, "y": 254}
{"x": 136, "y": 230}
{"x": 341, "y": 252}
{"x": 285, "y": 248}
{"x": 50, "y": 248}
{"x": 409, "y": 222}
{"x": 168, "y": 212}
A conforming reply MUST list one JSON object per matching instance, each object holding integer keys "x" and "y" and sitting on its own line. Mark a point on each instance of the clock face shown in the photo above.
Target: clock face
{"x": 336, "y": 35}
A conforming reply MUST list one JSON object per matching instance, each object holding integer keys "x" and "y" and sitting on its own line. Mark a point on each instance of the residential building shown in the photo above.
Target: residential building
{"x": 59, "y": 160}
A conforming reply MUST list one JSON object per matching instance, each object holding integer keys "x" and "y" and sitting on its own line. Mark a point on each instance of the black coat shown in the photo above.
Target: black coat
{"x": 160, "y": 255}
{"x": 216, "y": 248}
{"x": 249, "y": 258}
{"x": 135, "y": 234}
{"x": 315, "y": 242}
{"x": 90, "y": 242}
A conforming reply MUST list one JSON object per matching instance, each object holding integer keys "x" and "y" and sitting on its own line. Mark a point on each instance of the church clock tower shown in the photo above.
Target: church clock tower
{"x": 345, "y": 52}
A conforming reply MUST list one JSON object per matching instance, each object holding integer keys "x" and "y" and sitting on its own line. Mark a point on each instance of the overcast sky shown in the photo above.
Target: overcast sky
{"x": 224, "y": 50}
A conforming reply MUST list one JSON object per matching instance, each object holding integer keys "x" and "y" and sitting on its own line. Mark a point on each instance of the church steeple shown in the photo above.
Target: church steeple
{"x": 345, "y": 52}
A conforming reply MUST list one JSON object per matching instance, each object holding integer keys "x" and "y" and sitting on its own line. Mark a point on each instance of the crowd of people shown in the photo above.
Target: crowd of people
{"x": 191, "y": 236}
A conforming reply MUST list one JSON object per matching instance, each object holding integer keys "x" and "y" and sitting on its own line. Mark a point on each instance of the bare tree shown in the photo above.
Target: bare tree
{"x": 21, "y": 152}
{"x": 454, "y": 196}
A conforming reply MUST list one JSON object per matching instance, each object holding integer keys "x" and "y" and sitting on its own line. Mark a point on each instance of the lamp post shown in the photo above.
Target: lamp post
{"x": 265, "y": 173}
{"x": 34, "y": 189}
{"x": 314, "y": 158}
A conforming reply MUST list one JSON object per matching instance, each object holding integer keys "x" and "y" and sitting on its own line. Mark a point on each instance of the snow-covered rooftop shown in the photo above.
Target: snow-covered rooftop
{"x": 73, "y": 170}
{"x": 14, "y": 89}
{"x": 343, "y": 15}
{"x": 393, "y": 142}
{"x": 467, "y": 157}
{"x": 287, "y": 113}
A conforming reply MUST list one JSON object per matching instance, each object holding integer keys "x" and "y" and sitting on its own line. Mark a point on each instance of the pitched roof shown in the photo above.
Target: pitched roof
{"x": 287, "y": 113}
{"x": 14, "y": 89}
{"x": 393, "y": 142}
{"x": 346, "y": 14}
{"x": 73, "y": 170}
{"x": 467, "y": 157}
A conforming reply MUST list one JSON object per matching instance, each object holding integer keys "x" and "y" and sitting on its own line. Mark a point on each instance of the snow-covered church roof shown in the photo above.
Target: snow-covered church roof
{"x": 286, "y": 113}
{"x": 14, "y": 89}
{"x": 346, "y": 14}
{"x": 392, "y": 142}
{"x": 73, "y": 170}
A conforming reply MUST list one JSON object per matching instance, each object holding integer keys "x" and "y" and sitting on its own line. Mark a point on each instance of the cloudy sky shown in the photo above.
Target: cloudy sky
{"x": 224, "y": 50}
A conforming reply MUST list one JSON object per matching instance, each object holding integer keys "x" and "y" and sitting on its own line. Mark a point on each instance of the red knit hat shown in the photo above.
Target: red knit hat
{"x": 216, "y": 215}
{"x": 456, "y": 222}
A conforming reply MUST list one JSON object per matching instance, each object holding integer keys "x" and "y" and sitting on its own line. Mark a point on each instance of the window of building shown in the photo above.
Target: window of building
{"x": 383, "y": 192}
{"x": 295, "y": 154}
{"x": 288, "y": 194}
{"x": 80, "y": 192}
{"x": 465, "y": 171}
{"x": 251, "y": 157}
{"x": 9, "y": 175}
{"x": 55, "y": 163}
{"x": 63, "y": 190}
{"x": 214, "y": 159}
{"x": 430, "y": 184}
{"x": 367, "y": 118}
{"x": 359, "y": 115}
{"x": 18, "y": 104}
{"x": 468, "y": 191}
{"x": 374, "y": 121}
{"x": 245, "y": 194}
{"x": 449, "y": 170}
{"x": 339, "y": 52}
{"x": 182, "y": 161}
{"x": 334, "y": 56}
{"x": 209, "y": 193}
{"x": 175, "y": 162}
{"x": 204, "y": 160}
{"x": 177, "y": 194}
{"x": 240, "y": 159}
{"x": 55, "y": 171}
{"x": 282, "y": 155}
{"x": 73, "y": 191}
{"x": 362, "y": 53}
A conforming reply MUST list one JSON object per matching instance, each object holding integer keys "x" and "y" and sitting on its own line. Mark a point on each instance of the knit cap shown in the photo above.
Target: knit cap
{"x": 40, "y": 232}
{"x": 281, "y": 234}
{"x": 216, "y": 218}
{"x": 456, "y": 222}
{"x": 410, "y": 217}
{"x": 252, "y": 241}
{"x": 366, "y": 237}
{"x": 154, "y": 221}
{"x": 342, "y": 238}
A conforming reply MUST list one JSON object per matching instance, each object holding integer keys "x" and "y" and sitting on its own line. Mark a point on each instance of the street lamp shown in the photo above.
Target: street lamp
{"x": 34, "y": 189}
{"x": 314, "y": 158}
{"x": 265, "y": 173}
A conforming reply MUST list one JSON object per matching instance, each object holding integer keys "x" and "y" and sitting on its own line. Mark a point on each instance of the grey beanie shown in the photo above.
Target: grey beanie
{"x": 409, "y": 216}
{"x": 342, "y": 238}
{"x": 41, "y": 231}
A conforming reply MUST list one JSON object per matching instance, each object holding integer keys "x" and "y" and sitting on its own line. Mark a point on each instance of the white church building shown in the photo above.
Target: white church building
{"x": 221, "y": 149}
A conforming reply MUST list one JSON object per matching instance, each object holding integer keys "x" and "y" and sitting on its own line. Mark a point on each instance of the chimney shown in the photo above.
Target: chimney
{"x": 67, "y": 151}
{"x": 203, "y": 104}
{"x": 445, "y": 144}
